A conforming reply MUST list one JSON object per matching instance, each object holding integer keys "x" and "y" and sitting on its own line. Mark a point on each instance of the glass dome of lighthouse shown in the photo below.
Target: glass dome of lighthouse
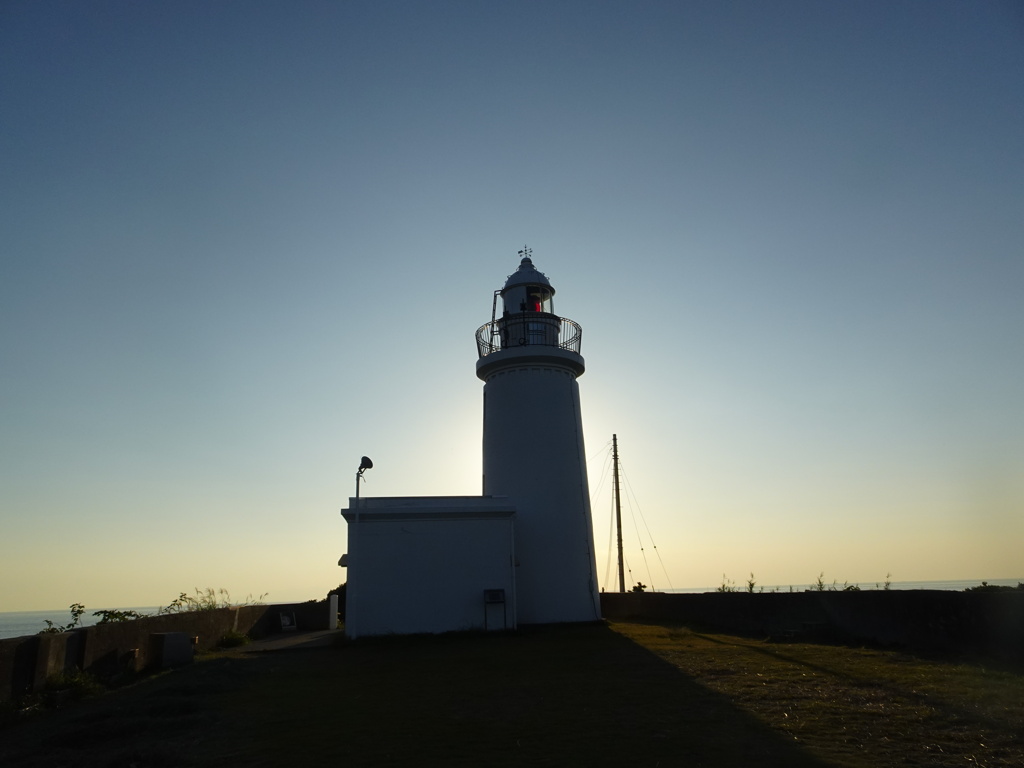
{"x": 527, "y": 289}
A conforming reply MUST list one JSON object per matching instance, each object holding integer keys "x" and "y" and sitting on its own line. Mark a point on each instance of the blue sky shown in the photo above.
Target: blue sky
{"x": 243, "y": 244}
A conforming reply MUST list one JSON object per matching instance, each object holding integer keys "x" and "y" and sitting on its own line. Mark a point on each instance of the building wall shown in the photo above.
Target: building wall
{"x": 422, "y": 565}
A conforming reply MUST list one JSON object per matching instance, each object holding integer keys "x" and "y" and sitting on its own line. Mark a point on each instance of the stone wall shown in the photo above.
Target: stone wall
{"x": 110, "y": 651}
{"x": 989, "y": 623}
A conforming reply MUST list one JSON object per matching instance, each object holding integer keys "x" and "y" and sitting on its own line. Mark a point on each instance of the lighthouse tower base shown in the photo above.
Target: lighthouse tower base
{"x": 534, "y": 455}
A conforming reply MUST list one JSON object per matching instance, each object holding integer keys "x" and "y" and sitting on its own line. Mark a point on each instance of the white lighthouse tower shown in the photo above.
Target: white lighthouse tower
{"x": 533, "y": 450}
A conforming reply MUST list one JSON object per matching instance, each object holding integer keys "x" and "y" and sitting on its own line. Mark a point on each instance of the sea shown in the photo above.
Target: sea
{"x": 19, "y": 623}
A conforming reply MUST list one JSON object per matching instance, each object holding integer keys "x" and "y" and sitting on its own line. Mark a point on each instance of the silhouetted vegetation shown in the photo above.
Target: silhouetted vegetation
{"x": 208, "y": 600}
{"x": 77, "y": 610}
{"x": 986, "y": 587}
{"x": 233, "y": 639}
{"x": 202, "y": 600}
{"x": 820, "y": 585}
{"x": 114, "y": 616}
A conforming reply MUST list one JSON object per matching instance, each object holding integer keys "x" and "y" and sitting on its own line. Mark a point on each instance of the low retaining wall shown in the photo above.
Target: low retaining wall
{"x": 109, "y": 651}
{"x": 991, "y": 623}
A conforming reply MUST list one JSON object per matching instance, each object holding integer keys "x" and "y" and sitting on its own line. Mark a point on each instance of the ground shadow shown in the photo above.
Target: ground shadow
{"x": 545, "y": 696}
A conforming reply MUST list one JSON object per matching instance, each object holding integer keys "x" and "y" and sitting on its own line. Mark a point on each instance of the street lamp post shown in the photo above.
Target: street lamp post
{"x": 364, "y": 465}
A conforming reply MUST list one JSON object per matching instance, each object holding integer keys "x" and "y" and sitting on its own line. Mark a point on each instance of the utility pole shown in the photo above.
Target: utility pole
{"x": 618, "y": 509}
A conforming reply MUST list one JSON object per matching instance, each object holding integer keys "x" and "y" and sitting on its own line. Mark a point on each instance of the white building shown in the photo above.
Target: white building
{"x": 522, "y": 552}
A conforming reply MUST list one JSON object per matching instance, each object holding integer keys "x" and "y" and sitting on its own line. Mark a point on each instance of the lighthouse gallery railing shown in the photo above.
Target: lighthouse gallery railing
{"x": 528, "y": 329}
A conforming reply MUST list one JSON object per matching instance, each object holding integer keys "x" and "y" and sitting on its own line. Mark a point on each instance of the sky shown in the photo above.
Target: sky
{"x": 243, "y": 244}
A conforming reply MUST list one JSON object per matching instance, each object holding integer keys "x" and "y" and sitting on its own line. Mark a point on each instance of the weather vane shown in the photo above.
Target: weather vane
{"x": 526, "y": 253}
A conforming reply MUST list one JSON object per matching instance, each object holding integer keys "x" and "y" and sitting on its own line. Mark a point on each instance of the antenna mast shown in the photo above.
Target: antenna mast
{"x": 618, "y": 509}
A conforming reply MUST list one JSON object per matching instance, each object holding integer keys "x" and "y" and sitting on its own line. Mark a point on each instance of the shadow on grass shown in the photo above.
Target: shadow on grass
{"x": 557, "y": 695}
{"x": 546, "y": 696}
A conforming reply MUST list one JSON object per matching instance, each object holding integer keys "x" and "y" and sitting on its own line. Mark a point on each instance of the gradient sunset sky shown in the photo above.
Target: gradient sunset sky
{"x": 243, "y": 244}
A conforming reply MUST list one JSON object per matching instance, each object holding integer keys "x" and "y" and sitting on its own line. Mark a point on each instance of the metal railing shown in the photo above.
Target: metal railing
{"x": 526, "y": 329}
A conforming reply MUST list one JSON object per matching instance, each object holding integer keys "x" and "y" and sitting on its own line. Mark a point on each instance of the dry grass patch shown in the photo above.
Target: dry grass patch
{"x": 856, "y": 707}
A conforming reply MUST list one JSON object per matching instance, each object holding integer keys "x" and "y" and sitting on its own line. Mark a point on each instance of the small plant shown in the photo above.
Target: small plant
{"x": 819, "y": 585}
{"x": 751, "y": 583}
{"x": 71, "y": 685}
{"x": 77, "y": 609}
{"x": 888, "y": 582}
{"x": 728, "y": 585}
{"x": 208, "y": 600}
{"x": 233, "y": 639}
{"x": 204, "y": 600}
{"x": 115, "y": 616}
{"x": 640, "y": 587}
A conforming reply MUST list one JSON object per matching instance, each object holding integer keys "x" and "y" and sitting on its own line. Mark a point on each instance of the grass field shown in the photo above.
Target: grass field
{"x": 571, "y": 695}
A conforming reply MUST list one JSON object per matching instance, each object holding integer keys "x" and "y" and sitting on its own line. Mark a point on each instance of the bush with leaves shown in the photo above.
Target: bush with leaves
{"x": 77, "y": 609}
{"x": 203, "y": 600}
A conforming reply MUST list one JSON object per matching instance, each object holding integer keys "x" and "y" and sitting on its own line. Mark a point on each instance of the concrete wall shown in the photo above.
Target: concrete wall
{"x": 990, "y": 623}
{"x": 120, "y": 649}
{"x": 422, "y": 565}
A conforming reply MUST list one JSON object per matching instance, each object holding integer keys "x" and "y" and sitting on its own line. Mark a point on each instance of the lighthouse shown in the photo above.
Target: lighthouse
{"x": 533, "y": 449}
{"x": 523, "y": 551}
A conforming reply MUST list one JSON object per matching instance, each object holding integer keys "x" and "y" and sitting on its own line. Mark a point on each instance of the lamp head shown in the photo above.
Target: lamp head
{"x": 365, "y": 464}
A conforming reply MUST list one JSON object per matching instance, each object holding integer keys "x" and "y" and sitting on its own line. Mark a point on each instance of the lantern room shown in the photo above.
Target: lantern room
{"x": 528, "y": 316}
{"x": 527, "y": 290}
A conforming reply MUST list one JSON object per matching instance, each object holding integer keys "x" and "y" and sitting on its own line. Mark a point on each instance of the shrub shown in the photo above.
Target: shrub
{"x": 233, "y": 639}
{"x": 203, "y": 600}
{"x": 77, "y": 609}
{"x": 207, "y": 600}
{"x": 115, "y": 616}
{"x": 986, "y": 587}
{"x": 71, "y": 685}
